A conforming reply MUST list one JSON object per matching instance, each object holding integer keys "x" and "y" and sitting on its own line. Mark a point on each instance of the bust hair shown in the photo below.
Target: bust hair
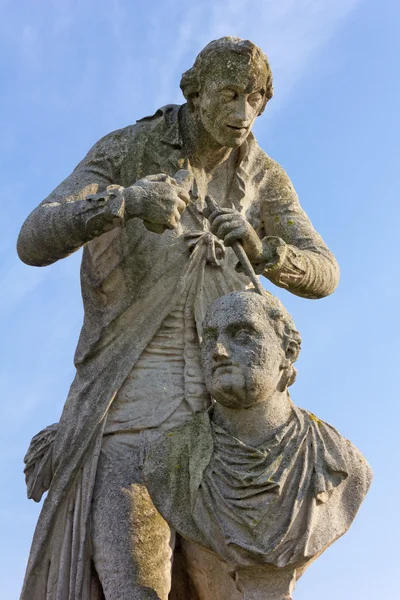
{"x": 284, "y": 327}
{"x": 191, "y": 79}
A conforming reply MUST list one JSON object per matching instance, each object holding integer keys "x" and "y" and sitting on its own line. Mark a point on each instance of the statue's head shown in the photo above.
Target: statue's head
{"x": 228, "y": 86}
{"x": 248, "y": 349}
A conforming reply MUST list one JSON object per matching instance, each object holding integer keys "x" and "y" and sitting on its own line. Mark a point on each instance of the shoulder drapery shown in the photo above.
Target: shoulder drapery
{"x": 282, "y": 504}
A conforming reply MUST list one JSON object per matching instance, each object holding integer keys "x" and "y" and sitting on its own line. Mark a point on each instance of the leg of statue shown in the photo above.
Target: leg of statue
{"x": 266, "y": 583}
{"x": 132, "y": 544}
{"x": 214, "y": 579}
{"x": 211, "y": 576}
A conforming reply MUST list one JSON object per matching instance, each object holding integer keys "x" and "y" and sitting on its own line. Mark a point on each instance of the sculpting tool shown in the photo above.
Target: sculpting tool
{"x": 238, "y": 249}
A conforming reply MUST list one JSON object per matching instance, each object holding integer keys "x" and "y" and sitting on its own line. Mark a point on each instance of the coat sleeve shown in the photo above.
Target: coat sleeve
{"x": 67, "y": 219}
{"x": 295, "y": 255}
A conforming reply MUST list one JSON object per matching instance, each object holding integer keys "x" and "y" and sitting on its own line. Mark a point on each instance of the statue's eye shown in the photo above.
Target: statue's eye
{"x": 228, "y": 95}
{"x": 255, "y": 98}
{"x": 243, "y": 336}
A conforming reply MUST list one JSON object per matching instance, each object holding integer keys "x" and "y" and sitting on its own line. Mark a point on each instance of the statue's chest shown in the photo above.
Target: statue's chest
{"x": 150, "y": 156}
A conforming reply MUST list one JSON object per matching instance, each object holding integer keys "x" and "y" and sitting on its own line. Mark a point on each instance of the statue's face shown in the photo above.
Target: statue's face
{"x": 231, "y": 97}
{"x": 241, "y": 353}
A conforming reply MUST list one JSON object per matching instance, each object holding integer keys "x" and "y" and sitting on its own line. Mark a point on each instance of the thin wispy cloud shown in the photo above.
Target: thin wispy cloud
{"x": 145, "y": 74}
{"x": 289, "y": 31}
{"x": 18, "y": 282}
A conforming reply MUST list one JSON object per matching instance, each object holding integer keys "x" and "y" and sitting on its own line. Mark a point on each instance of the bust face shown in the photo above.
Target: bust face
{"x": 241, "y": 353}
{"x": 231, "y": 97}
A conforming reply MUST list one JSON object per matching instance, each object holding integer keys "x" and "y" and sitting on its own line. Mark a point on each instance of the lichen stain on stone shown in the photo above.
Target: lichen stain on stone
{"x": 314, "y": 418}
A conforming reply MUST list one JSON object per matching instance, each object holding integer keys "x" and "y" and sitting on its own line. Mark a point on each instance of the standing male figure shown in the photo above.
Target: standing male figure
{"x": 145, "y": 292}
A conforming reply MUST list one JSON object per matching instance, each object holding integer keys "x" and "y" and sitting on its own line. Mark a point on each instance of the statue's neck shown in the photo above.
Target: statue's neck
{"x": 201, "y": 149}
{"x": 252, "y": 425}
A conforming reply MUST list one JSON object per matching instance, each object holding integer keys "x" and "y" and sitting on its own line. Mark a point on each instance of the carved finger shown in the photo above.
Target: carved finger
{"x": 216, "y": 213}
{"x": 226, "y": 218}
{"x": 183, "y": 195}
{"x": 173, "y": 220}
{"x": 234, "y": 236}
{"x": 226, "y": 228}
{"x": 180, "y": 206}
{"x": 171, "y": 224}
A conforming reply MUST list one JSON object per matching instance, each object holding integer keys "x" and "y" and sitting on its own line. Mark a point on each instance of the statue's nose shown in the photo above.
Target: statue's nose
{"x": 220, "y": 351}
{"x": 242, "y": 112}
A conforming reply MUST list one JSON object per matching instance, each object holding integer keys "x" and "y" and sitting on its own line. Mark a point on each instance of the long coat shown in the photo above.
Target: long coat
{"x": 130, "y": 280}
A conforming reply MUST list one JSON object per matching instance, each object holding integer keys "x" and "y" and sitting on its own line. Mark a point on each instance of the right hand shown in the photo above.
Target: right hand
{"x": 161, "y": 201}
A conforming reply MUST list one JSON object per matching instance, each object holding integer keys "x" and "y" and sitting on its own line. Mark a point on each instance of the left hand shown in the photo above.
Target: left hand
{"x": 231, "y": 226}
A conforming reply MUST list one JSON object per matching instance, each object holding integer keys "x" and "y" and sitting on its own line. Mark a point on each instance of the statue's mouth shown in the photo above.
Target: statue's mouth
{"x": 238, "y": 129}
{"x": 221, "y": 366}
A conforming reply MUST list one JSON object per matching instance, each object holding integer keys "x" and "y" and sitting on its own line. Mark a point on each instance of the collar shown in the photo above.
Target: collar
{"x": 172, "y": 136}
{"x": 170, "y": 123}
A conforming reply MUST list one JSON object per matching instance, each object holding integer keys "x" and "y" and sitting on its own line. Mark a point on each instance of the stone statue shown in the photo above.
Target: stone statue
{"x": 257, "y": 487}
{"x": 153, "y": 261}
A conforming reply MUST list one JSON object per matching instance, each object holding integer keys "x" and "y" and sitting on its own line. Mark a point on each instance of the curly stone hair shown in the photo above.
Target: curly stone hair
{"x": 284, "y": 327}
{"x": 191, "y": 79}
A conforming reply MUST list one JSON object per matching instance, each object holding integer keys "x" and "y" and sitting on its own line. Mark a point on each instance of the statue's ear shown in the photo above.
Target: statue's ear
{"x": 288, "y": 375}
{"x": 292, "y": 351}
{"x": 193, "y": 101}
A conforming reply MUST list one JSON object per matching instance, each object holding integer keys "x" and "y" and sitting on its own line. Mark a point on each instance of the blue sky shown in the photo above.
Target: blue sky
{"x": 73, "y": 71}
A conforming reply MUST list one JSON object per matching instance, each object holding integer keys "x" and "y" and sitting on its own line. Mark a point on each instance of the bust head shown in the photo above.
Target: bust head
{"x": 228, "y": 86}
{"x": 248, "y": 349}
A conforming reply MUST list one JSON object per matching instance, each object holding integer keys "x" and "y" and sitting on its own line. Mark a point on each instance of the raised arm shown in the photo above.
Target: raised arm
{"x": 285, "y": 248}
{"x": 295, "y": 256}
{"x": 83, "y": 206}
{"x": 63, "y": 222}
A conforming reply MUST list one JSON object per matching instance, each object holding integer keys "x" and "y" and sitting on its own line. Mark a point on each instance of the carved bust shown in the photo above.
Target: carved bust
{"x": 264, "y": 485}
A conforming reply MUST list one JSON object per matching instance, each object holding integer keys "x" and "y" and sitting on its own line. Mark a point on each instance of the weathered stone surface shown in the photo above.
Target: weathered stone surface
{"x": 263, "y": 484}
{"x": 153, "y": 262}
